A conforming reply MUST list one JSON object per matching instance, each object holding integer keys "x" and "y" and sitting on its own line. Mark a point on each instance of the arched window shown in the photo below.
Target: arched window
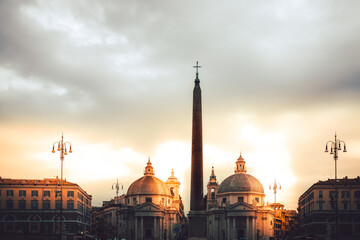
{"x": 34, "y": 226}
{"x": 9, "y": 223}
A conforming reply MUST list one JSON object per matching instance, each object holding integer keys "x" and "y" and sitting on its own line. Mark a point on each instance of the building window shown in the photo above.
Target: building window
{"x": 240, "y": 199}
{"x": 149, "y": 199}
{"x": 57, "y": 204}
{"x": 80, "y": 207}
{"x": 345, "y": 206}
{"x": 224, "y": 200}
{"x": 320, "y": 194}
{"x": 70, "y": 204}
{"x": 34, "y": 204}
{"x": 22, "y": 204}
{"x": 22, "y": 193}
{"x": 332, "y": 204}
{"x": 332, "y": 194}
{"x": 357, "y": 194}
{"x": 80, "y": 196}
{"x": 46, "y": 204}
{"x": 320, "y": 206}
{"x": 9, "y": 204}
{"x": 34, "y": 193}
{"x": 9, "y": 223}
{"x": 70, "y": 193}
{"x": 257, "y": 199}
{"x": 46, "y": 193}
{"x": 34, "y": 224}
{"x": 357, "y": 205}
{"x": 345, "y": 194}
{"x": 9, "y": 193}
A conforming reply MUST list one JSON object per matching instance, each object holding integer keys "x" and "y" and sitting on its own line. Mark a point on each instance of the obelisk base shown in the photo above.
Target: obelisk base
{"x": 197, "y": 225}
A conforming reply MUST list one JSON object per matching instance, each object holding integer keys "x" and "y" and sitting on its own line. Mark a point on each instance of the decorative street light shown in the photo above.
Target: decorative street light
{"x": 335, "y": 146}
{"x": 61, "y": 147}
{"x": 117, "y": 188}
{"x": 275, "y": 187}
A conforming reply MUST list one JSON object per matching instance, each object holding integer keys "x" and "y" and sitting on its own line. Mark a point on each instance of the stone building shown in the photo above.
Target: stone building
{"x": 151, "y": 209}
{"x": 236, "y": 208}
{"x": 319, "y": 207}
{"x": 30, "y": 209}
{"x": 286, "y": 222}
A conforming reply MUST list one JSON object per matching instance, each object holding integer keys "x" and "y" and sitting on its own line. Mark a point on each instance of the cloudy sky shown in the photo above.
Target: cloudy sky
{"x": 278, "y": 79}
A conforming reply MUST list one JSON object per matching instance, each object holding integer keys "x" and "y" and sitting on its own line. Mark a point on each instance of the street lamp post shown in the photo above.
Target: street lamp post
{"x": 275, "y": 187}
{"x": 335, "y": 146}
{"x": 61, "y": 147}
{"x": 117, "y": 188}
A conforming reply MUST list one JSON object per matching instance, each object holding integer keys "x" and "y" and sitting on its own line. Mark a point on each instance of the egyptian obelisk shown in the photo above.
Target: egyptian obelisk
{"x": 197, "y": 216}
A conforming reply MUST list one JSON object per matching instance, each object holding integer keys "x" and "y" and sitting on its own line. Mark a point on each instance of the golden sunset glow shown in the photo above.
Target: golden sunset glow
{"x": 277, "y": 78}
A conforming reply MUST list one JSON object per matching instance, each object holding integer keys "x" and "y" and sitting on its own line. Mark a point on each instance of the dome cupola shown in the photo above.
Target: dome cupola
{"x": 241, "y": 181}
{"x": 148, "y": 184}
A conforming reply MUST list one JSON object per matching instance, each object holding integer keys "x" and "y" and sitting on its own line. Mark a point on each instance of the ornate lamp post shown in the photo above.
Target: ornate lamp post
{"x": 275, "y": 187}
{"x": 61, "y": 147}
{"x": 335, "y": 146}
{"x": 117, "y": 188}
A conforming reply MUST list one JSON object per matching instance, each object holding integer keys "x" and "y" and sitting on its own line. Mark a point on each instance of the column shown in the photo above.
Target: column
{"x": 254, "y": 228}
{"x": 136, "y": 228}
{"x": 251, "y": 228}
{"x": 228, "y": 228}
{"x": 170, "y": 227}
{"x": 247, "y": 228}
{"x": 234, "y": 227}
{"x": 161, "y": 220}
{"x": 155, "y": 227}
{"x": 142, "y": 227}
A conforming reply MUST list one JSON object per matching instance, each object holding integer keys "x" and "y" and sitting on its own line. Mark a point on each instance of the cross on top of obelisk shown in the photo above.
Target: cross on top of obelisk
{"x": 197, "y": 72}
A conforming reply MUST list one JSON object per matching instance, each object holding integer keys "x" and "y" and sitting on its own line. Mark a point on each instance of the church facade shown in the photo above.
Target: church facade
{"x": 236, "y": 208}
{"x": 151, "y": 209}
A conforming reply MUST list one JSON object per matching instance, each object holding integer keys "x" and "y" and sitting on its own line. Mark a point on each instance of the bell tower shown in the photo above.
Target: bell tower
{"x": 173, "y": 184}
{"x": 212, "y": 189}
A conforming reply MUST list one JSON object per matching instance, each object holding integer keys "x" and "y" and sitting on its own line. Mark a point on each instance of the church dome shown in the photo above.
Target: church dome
{"x": 240, "y": 181}
{"x": 148, "y": 184}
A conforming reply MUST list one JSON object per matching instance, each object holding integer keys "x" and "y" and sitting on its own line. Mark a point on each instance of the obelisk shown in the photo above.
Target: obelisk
{"x": 197, "y": 216}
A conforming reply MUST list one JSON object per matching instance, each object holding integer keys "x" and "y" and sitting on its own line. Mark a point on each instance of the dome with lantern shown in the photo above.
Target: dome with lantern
{"x": 148, "y": 184}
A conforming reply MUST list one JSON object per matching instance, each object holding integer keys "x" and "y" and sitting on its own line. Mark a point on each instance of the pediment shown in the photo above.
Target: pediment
{"x": 149, "y": 207}
{"x": 241, "y": 206}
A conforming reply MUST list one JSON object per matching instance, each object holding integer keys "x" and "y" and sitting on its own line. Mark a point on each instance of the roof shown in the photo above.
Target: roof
{"x": 45, "y": 181}
{"x": 330, "y": 183}
{"x": 237, "y": 183}
{"x": 49, "y": 182}
{"x": 148, "y": 185}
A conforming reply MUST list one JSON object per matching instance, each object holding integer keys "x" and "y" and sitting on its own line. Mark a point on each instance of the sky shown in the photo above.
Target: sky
{"x": 278, "y": 79}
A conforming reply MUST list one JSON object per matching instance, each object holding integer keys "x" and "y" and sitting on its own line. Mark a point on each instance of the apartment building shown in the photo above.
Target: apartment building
{"x": 31, "y": 209}
{"x": 320, "y": 206}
